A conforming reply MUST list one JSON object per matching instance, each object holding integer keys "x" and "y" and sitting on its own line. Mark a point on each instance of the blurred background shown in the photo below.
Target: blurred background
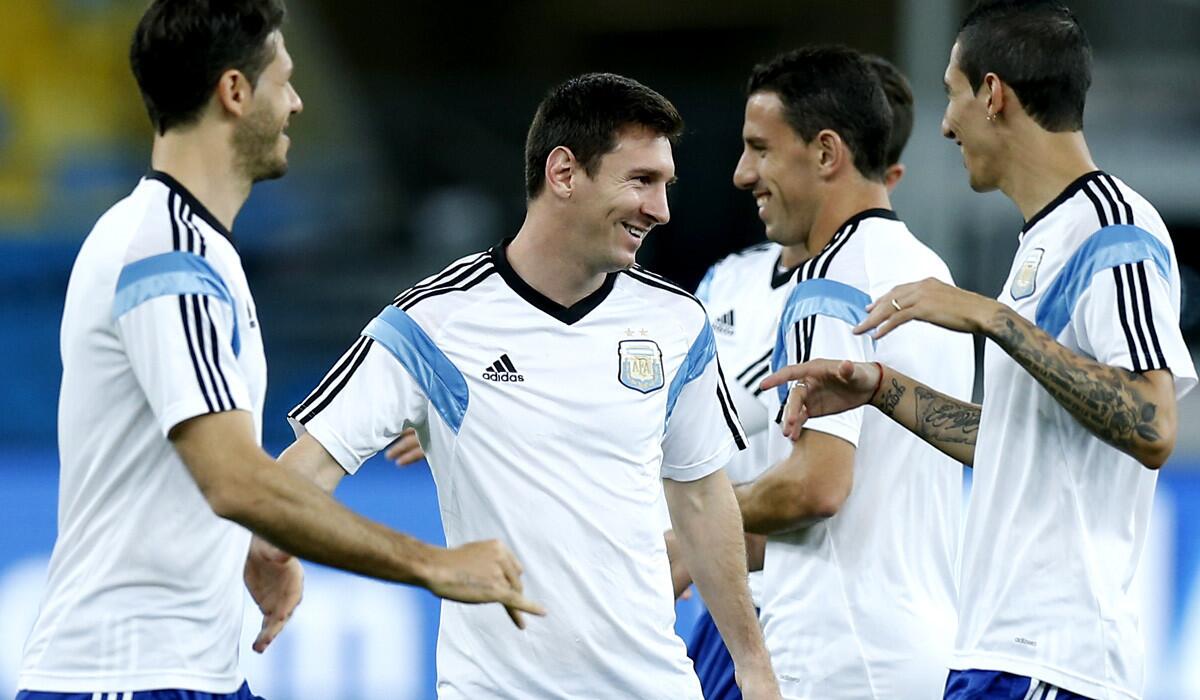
{"x": 409, "y": 154}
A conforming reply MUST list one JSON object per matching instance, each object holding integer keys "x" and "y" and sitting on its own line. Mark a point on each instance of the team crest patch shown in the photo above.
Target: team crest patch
{"x": 641, "y": 365}
{"x": 1026, "y": 279}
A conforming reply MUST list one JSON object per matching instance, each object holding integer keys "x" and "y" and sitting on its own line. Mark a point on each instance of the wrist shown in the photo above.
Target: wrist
{"x": 878, "y": 384}
{"x": 991, "y": 319}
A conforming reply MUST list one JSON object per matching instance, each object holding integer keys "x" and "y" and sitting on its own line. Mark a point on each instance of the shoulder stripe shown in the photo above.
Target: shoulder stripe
{"x": 1096, "y": 203}
{"x": 440, "y": 278}
{"x": 765, "y": 358}
{"x": 728, "y": 409}
{"x": 1149, "y": 315}
{"x": 648, "y": 278}
{"x": 1123, "y": 317}
{"x": 1113, "y": 210}
{"x": 480, "y": 275}
{"x": 191, "y": 346}
{"x": 207, "y": 332}
{"x": 812, "y": 298}
{"x": 348, "y": 360}
{"x": 835, "y": 249}
{"x": 335, "y": 389}
{"x": 171, "y": 217}
{"x": 1112, "y": 183}
{"x": 1136, "y": 304}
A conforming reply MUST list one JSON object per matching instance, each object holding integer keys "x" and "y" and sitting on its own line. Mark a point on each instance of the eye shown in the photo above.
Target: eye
{"x": 643, "y": 179}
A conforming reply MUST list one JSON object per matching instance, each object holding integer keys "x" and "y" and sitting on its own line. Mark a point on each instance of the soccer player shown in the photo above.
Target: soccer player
{"x": 559, "y": 389}
{"x": 161, "y": 402}
{"x": 861, "y": 519}
{"x": 1084, "y": 364}
{"x": 745, "y": 294}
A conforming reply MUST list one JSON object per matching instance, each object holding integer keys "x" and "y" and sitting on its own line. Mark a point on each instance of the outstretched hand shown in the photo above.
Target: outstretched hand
{"x": 482, "y": 572}
{"x": 929, "y": 300}
{"x": 823, "y": 387}
{"x": 275, "y": 580}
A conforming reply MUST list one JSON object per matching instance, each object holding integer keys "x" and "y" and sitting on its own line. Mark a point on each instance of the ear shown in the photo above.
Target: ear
{"x": 993, "y": 89}
{"x": 891, "y": 176}
{"x": 561, "y": 168}
{"x": 831, "y": 152}
{"x": 234, "y": 92}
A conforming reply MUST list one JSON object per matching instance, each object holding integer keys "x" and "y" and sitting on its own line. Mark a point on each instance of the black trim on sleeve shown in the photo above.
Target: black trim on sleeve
{"x": 1135, "y": 304}
{"x": 728, "y": 409}
{"x": 1145, "y": 287}
{"x": 1124, "y": 318}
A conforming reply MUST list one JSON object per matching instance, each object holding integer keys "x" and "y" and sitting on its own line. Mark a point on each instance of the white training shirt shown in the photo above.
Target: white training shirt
{"x": 1057, "y": 517}
{"x": 861, "y": 605}
{"x": 145, "y": 582}
{"x": 744, "y": 294}
{"x": 549, "y": 428}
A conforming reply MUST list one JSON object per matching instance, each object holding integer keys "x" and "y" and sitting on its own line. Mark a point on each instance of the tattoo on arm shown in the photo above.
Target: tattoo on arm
{"x": 890, "y": 397}
{"x": 941, "y": 419}
{"x": 1108, "y": 401}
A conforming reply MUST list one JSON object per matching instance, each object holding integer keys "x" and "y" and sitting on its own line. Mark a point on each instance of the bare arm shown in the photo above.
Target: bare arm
{"x": 243, "y": 484}
{"x": 807, "y": 486}
{"x": 709, "y": 532}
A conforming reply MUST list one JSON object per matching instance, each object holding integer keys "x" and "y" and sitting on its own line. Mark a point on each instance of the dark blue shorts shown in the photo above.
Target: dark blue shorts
{"x": 713, "y": 664}
{"x": 242, "y": 693}
{"x": 998, "y": 685}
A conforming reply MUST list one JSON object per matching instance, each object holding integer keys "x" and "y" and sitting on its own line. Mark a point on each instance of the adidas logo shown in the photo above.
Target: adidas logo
{"x": 502, "y": 370}
{"x": 724, "y": 323}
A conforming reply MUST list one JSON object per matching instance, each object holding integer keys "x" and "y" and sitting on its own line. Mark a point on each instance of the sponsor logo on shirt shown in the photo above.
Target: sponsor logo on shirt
{"x": 503, "y": 370}
{"x": 724, "y": 323}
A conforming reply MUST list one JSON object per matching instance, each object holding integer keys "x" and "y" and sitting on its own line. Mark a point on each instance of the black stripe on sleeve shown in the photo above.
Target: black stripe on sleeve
{"x": 753, "y": 381}
{"x": 216, "y": 354}
{"x": 438, "y": 291}
{"x": 346, "y": 360}
{"x": 340, "y": 385}
{"x": 728, "y": 410}
{"x": 1112, "y": 202}
{"x": 1096, "y": 203}
{"x": 171, "y": 196}
{"x": 1124, "y": 204}
{"x": 1137, "y": 312}
{"x": 750, "y": 367}
{"x": 206, "y": 352}
{"x": 1145, "y": 288}
{"x": 187, "y": 336}
{"x": 445, "y": 281}
{"x": 1133, "y": 353}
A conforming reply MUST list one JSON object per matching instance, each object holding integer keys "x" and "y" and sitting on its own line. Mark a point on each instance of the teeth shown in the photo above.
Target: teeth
{"x": 635, "y": 232}
{"x": 761, "y": 200}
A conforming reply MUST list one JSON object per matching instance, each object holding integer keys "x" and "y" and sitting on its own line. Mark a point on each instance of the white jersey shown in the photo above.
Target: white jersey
{"x": 549, "y": 428}
{"x": 1057, "y": 517}
{"x": 744, "y": 294}
{"x": 145, "y": 586}
{"x": 861, "y": 605}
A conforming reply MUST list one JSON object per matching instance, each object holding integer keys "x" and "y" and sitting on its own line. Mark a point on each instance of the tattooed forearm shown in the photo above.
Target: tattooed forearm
{"x": 890, "y": 397}
{"x": 940, "y": 419}
{"x": 1109, "y": 401}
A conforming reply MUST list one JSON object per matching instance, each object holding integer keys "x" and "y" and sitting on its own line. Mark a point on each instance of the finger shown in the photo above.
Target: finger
{"x": 687, "y": 594}
{"x": 896, "y": 320}
{"x": 877, "y": 315}
{"x": 525, "y": 605}
{"x": 516, "y": 616}
{"x": 412, "y": 456}
{"x": 787, "y": 374}
{"x": 272, "y": 625}
{"x": 846, "y": 371}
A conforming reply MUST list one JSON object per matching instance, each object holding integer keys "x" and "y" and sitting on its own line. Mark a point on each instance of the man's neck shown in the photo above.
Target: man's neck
{"x": 203, "y": 163}
{"x": 544, "y": 256}
{"x": 848, "y": 199}
{"x": 1041, "y": 165}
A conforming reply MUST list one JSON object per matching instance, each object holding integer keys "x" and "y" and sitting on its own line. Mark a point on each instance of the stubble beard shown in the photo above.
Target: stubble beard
{"x": 255, "y": 141}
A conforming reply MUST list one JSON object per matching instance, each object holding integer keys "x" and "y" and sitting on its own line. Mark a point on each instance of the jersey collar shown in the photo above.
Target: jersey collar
{"x": 876, "y": 213}
{"x": 193, "y": 203}
{"x": 565, "y": 314}
{"x": 1066, "y": 194}
{"x": 780, "y": 275}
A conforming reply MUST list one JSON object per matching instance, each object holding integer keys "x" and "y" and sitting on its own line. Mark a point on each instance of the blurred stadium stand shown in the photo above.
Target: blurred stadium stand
{"x": 409, "y": 153}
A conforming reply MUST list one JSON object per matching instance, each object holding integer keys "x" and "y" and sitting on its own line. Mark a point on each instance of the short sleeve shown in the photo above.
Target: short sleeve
{"x": 1116, "y": 296}
{"x": 176, "y": 322}
{"x": 702, "y": 430}
{"x": 387, "y": 381}
{"x": 817, "y": 323}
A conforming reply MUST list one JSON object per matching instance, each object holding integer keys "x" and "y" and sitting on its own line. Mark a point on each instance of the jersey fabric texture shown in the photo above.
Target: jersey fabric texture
{"x": 549, "y": 428}
{"x": 997, "y": 685}
{"x": 1058, "y": 518}
{"x": 861, "y": 605}
{"x": 145, "y": 588}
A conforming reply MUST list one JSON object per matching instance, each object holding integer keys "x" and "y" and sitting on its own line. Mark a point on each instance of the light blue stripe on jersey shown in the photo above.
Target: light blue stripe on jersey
{"x": 703, "y": 350}
{"x": 812, "y": 298}
{"x": 443, "y": 384}
{"x": 171, "y": 274}
{"x": 1107, "y": 248}
{"x": 705, "y": 286}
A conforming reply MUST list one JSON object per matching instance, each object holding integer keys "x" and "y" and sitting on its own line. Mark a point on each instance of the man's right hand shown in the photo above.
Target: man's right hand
{"x": 482, "y": 572}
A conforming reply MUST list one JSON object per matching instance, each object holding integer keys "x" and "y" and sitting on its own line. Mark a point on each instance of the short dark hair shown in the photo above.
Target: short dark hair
{"x": 831, "y": 87}
{"x": 585, "y": 115}
{"x": 900, "y": 100}
{"x": 1038, "y": 48}
{"x": 181, "y": 47}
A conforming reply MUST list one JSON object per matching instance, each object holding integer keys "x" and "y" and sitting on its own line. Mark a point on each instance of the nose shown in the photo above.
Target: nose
{"x": 744, "y": 174}
{"x": 297, "y": 103}
{"x": 655, "y": 205}
{"x": 946, "y": 130}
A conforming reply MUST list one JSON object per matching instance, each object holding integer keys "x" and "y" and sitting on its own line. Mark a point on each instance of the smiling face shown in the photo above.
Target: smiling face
{"x": 258, "y": 138}
{"x": 965, "y": 122}
{"x": 779, "y": 169}
{"x": 625, "y": 198}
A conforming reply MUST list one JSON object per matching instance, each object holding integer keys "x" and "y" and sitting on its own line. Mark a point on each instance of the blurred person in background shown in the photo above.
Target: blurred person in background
{"x": 745, "y": 294}
{"x": 1083, "y": 366}
{"x": 861, "y": 519}
{"x": 560, "y": 390}
{"x": 160, "y": 409}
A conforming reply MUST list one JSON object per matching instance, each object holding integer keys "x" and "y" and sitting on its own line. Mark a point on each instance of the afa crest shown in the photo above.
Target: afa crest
{"x": 641, "y": 366}
{"x": 1025, "y": 282}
